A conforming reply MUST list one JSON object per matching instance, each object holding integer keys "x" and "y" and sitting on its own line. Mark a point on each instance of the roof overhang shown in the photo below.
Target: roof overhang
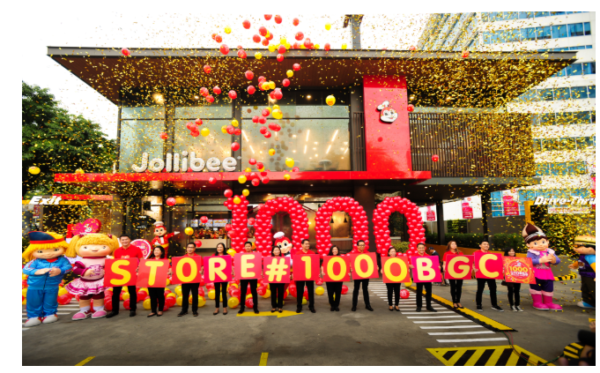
{"x": 484, "y": 79}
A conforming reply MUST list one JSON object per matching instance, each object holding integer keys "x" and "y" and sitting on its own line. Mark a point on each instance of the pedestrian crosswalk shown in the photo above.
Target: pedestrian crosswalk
{"x": 64, "y": 312}
{"x": 445, "y": 325}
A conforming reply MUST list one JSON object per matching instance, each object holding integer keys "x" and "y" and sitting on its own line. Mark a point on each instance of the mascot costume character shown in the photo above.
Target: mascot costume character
{"x": 585, "y": 246}
{"x": 162, "y": 237}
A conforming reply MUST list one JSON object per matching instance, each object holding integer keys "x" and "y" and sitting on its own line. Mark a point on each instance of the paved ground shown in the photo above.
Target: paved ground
{"x": 325, "y": 338}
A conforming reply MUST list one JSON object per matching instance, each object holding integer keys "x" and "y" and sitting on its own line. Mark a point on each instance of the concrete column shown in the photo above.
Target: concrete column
{"x": 365, "y": 195}
{"x": 439, "y": 207}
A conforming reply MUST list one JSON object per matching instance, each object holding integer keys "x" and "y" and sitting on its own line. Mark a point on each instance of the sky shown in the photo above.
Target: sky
{"x": 124, "y": 28}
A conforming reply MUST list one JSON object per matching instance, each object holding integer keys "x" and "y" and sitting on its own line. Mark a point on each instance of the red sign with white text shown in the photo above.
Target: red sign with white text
{"x": 153, "y": 273}
{"x": 306, "y": 267}
{"x": 488, "y": 265}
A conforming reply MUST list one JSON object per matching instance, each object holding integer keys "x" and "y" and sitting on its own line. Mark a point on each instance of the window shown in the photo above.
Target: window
{"x": 562, "y": 93}
{"x": 579, "y": 92}
{"x": 562, "y": 72}
{"x": 592, "y": 91}
{"x": 585, "y": 142}
{"x": 485, "y": 17}
{"x": 512, "y": 35}
{"x": 528, "y": 33}
{"x": 140, "y": 133}
{"x": 557, "y": 13}
{"x": 574, "y": 69}
{"x": 547, "y": 94}
{"x": 487, "y": 38}
{"x": 578, "y": 48}
{"x": 507, "y": 16}
{"x": 576, "y": 29}
{"x": 566, "y": 143}
{"x": 589, "y": 68}
{"x": 542, "y": 14}
{"x": 541, "y": 169}
{"x": 524, "y": 15}
{"x": 576, "y": 168}
{"x": 587, "y": 29}
{"x": 559, "y": 31}
{"x": 547, "y": 119}
{"x": 544, "y": 32}
{"x": 537, "y": 145}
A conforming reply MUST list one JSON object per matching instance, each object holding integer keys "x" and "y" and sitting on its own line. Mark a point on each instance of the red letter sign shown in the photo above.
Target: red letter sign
{"x": 459, "y": 267}
{"x": 364, "y": 266}
{"x": 426, "y": 269}
{"x": 153, "y": 273}
{"x": 306, "y": 267}
{"x": 335, "y": 269}
{"x": 217, "y": 268}
{"x": 277, "y": 270}
{"x": 120, "y": 272}
{"x": 248, "y": 266}
{"x": 395, "y": 269}
{"x": 488, "y": 265}
{"x": 186, "y": 269}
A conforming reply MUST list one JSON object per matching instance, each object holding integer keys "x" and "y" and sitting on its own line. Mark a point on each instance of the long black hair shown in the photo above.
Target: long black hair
{"x": 162, "y": 252}
{"x": 224, "y": 249}
{"x": 508, "y": 249}
{"x": 273, "y": 251}
{"x": 331, "y": 250}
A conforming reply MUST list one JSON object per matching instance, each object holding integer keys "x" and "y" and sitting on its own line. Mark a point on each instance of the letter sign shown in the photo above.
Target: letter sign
{"x": 395, "y": 269}
{"x": 364, "y": 266}
{"x": 120, "y": 272}
{"x": 277, "y": 270}
{"x": 459, "y": 267}
{"x": 488, "y": 265}
{"x": 306, "y": 267}
{"x": 335, "y": 269}
{"x": 426, "y": 269}
{"x": 186, "y": 270}
{"x": 248, "y": 266}
{"x": 217, "y": 268}
{"x": 153, "y": 273}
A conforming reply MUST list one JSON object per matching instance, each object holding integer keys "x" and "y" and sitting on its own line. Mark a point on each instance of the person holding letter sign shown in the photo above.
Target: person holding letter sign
{"x": 455, "y": 285}
{"x": 393, "y": 288}
{"x": 480, "y": 262}
{"x": 126, "y": 251}
{"x": 310, "y": 285}
{"x": 157, "y": 294}
{"x": 186, "y": 288}
{"x": 360, "y": 246}
{"x": 514, "y": 288}
{"x": 334, "y": 288}
{"x": 244, "y": 287}
{"x": 277, "y": 289}
{"x": 220, "y": 287}
{"x": 420, "y": 285}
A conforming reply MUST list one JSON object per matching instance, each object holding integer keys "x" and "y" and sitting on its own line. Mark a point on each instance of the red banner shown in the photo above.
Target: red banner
{"x": 186, "y": 269}
{"x": 335, "y": 269}
{"x": 426, "y": 269}
{"x": 458, "y": 267}
{"x": 364, "y": 266}
{"x": 248, "y": 266}
{"x": 153, "y": 273}
{"x": 277, "y": 270}
{"x": 120, "y": 272}
{"x": 488, "y": 265}
{"x": 306, "y": 267}
{"x": 394, "y": 270}
{"x": 518, "y": 270}
{"x": 217, "y": 268}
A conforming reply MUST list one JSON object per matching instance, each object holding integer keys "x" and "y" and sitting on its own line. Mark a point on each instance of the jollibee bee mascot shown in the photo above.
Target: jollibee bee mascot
{"x": 161, "y": 237}
{"x": 542, "y": 258}
{"x": 46, "y": 268}
{"x": 92, "y": 249}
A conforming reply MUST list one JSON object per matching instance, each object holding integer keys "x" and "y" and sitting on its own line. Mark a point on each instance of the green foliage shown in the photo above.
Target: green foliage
{"x": 504, "y": 240}
{"x": 431, "y": 237}
{"x": 469, "y": 240}
{"x": 400, "y": 246}
{"x": 24, "y": 242}
{"x": 58, "y": 142}
{"x": 397, "y": 224}
{"x": 457, "y": 226}
{"x": 561, "y": 229}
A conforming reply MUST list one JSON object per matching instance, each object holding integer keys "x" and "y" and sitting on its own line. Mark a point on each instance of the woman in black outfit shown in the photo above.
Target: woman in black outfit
{"x": 393, "y": 288}
{"x": 277, "y": 290}
{"x": 514, "y": 289}
{"x": 220, "y": 287}
{"x": 334, "y": 289}
{"x": 157, "y": 295}
{"x": 244, "y": 287}
{"x": 455, "y": 285}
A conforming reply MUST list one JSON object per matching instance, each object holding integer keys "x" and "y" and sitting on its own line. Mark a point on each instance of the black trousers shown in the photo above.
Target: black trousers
{"x": 365, "y": 286}
{"x": 221, "y": 287}
{"x": 395, "y": 289}
{"x": 334, "y": 288}
{"x": 185, "y": 297}
{"x": 588, "y": 290}
{"x": 310, "y": 285}
{"x": 514, "y": 294}
{"x": 456, "y": 290}
{"x": 277, "y": 291}
{"x": 244, "y": 289}
{"x": 157, "y": 298}
{"x": 481, "y": 285}
{"x": 428, "y": 287}
{"x": 117, "y": 294}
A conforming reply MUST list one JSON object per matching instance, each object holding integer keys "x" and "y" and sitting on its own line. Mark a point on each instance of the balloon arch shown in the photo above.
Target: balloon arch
{"x": 360, "y": 224}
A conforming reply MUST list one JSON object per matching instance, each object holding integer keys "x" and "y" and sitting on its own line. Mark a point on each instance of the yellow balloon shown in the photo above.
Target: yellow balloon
{"x": 24, "y": 292}
{"x": 205, "y": 132}
{"x": 289, "y": 162}
{"x": 24, "y": 301}
{"x": 248, "y": 169}
{"x": 319, "y": 290}
{"x": 201, "y": 301}
{"x": 211, "y": 294}
{"x": 344, "y": 46}
{"x": 272, "y": 85}
{"x": 286, "y": 177}
{"x": 224, "y": 129}
{"x": 144, "y": 289}
{"x": 235, "y": 123}
{"x": 277, "y": 114}
{"x": 34, "y": 170}
{"x": 126, "y": 290}
{"x": 271, "y": 152}
{"x": 237, "y": 200}
{"x": 304, "y": 301}
{"x": 288, "y": 46}
{"x": 267, "y": 294}
{"x": 248, "y": 296}
{"x": 178, "y": 302}
{"x": 178, "y": 290}
{"x": 242, "y": 179}
{"x": 246, "y": 192}
{"x": 79, "y": 171}
{"x": 23, "y": 276}
{"x": 330, "y": 100}
{"x": 231, "y": 252}
{"x": 289, "y": 73}
{"x": 409, "y": 283}
{"x": 272, "y": 48}
{"x": 126, "y": 296}
{"x": 317, "y": 46}
{"x": 233, "y": 302}
{"x": 275, "y": 107}
{"x": 147, "y": 304}
{"x": 268, "y": 109}
{"x": 228, "y": 30}
{"x": 258, "y": 55}
{"x": 328, "y": 26}
{"x": 168, "y": 282}
{"x": 189, "y": 231}
{"x": 62, "y": 291}
{"x": 283, "y": 41}
{"x": 302, "y": 46}
{"x": 171, "y": 295}
{"x": 268, "y": 34}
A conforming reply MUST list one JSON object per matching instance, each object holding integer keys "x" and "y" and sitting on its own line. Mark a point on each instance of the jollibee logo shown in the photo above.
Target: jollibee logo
{"x": 387, "y": 114}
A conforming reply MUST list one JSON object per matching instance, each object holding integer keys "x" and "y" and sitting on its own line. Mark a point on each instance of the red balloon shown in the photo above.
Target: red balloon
{"x": 204, "y": 91}
{"x": 170, "y": 301}
{"x": 171, "y": 201}
{"x": 164, "y": 136}
{"x": 213, "y": 36}
{"x": 249, "y": 75}
{"x": 242, "y": 53}
{"x": 278, "y": 94}
{"x": 344, "y": 289}
{"x": 265, "y": 42}
{"x": 228, "y": 193}
{"x": 285, "y": 82}
{"x": 207, "y": 69}
{"x": 274, "y": 127}
{"x": 235, "y": 146}
{"x": 237, "y": 132}
{"x": 268, "y": 16}
{"x": 435, "y": 158}
{"x": 279, "y": 57}
{"x": 278, "y": 19}
{"x": 327, "y": 46}
{"x": 256, "y": 38}
{"x": 204, "y": 219}
{"x": 251, "y": 91}
{"x": 268, "y": 135}
{"x": 281, "y": 49}
{"x": 246, "y": 24}
{"x": 410, "y": 108}
{"x": 232, "y": 95}
{"x": 262, "y": 31}
{"x": 228, "y": 226}
{"x": 404, "y": 294}
{"x": 198, "y": 121}
{"x": 224, "y": 49}
{"x": 195, "y": 133}
{"x": 218, "y": 38}
{"x": 296, "y": 67}
{"x": 296, "y": 22}
{"x": 259, "y": 165}
{"x": 127, "y": 304}
{"x": 255, "y": 182}
{"x": 217, "y": 90}
{"x": 255, "y": 118}
{"x": 230, "y": 129}
{"x": 265, "y": 113}
{"x": 263, "y": 130}
{"x": 249, "y": 303}
{"x": 299, "y": 36}
{"x": 125, "y": 52}
{"x": 261, "y": 79}
{"x": 198, "y": 243}
{"x": 210, "y": 99}
{"x": 191, "y": 126}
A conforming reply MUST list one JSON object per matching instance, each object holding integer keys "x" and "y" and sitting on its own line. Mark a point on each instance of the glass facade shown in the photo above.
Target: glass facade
{"x": 554, "y": 94}
{"x": 537, "y": 33}
{"x": 140, "y": 133}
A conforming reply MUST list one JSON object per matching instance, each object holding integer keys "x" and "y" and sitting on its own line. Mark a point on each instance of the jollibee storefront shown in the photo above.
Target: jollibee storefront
{"x": 325, "y": 145}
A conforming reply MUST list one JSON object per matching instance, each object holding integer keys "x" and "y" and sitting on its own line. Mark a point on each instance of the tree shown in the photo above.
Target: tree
{"x": 58, "y": 142}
